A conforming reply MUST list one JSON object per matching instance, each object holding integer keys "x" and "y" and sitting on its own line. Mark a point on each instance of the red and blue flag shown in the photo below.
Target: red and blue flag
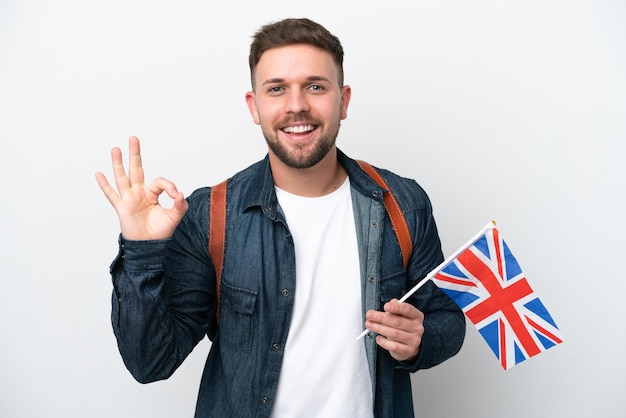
{"x": 486, "y": 281}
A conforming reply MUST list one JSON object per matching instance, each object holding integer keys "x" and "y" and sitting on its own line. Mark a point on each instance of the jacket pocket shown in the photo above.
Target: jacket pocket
{"x": 393, "y": 286}
{"x": 237, "y": 307}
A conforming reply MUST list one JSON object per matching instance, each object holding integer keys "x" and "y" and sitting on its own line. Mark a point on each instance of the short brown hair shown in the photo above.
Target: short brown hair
{"x": 295, "y": 31}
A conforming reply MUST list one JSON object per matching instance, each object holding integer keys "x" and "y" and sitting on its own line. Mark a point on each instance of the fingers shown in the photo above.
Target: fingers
{"x": 405, "y": 310}
{"x": 119, "y": 173}
{"x": 160, "y": 185}
{"x": 400, "y": 328}
{"x": 179, "y": 206}
{"x": 137, "y": 205}
{"x": 135, "y": 167}
{"x": 106, "y": 188}
{"x": 397, "y": 315}
{"x": 135, "y": 175}
{"x": 400, "y": 350}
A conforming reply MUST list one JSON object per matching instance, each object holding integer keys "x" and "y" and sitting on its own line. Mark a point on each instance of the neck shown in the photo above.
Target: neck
{"x": 321, "y": 179}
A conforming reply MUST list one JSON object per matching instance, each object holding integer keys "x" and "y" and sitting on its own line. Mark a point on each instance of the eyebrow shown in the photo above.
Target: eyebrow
{"x": 310, "y": 78}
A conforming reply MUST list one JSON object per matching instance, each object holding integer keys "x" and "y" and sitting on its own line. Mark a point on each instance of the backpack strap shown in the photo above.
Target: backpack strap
{"x": 217, "y": 225}
{"x": 217, "y": 234}
{"x": 398, "y": 221}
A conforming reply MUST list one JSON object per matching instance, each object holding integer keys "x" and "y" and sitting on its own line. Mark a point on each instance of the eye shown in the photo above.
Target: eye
{"x": 316, "y": 87}
{"x": 275, "y": 90}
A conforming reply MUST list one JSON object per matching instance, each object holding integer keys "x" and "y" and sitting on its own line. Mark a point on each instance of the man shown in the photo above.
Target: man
{"x": 310, "y": 258}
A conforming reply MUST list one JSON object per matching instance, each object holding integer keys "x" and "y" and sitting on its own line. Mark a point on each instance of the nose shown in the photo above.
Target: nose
{"x": 296, "y": 102}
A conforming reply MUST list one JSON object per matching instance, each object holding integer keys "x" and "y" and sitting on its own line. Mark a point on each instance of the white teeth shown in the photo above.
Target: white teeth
{"x": 298, "y": 129}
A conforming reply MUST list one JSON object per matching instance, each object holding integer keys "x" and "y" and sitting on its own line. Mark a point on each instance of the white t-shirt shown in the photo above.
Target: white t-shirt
{"x": 324, "y": 371}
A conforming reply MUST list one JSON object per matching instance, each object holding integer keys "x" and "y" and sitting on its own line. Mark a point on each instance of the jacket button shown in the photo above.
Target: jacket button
{"x": 275, "y": 347}
{"x": 264, "y": 400}
{"x": 285, "y": 292}
{"x": 374, "y": 225}
{"x": 375, "y": 193}
{"x": 371, "y": 279}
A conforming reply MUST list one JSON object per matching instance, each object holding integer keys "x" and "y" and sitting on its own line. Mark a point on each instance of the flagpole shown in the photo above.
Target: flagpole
{"x": 440, "y": 267}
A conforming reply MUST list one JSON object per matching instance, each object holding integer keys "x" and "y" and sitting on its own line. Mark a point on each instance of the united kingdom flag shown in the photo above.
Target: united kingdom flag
{"x": 488, "y": 284}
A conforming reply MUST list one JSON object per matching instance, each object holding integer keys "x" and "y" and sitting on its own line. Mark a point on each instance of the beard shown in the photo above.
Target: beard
{"x": 300, "y": 156}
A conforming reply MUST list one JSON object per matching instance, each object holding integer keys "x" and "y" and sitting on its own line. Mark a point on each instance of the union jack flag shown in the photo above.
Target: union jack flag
{"x": 488, "y": 284}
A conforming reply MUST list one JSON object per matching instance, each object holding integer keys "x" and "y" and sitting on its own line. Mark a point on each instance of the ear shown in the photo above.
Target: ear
{"x": 346, "y": 93}
{"x": 251, "y": 101}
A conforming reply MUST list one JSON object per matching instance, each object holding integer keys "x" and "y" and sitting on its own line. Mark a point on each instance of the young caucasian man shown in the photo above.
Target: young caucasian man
{"x": 310, "y": 259}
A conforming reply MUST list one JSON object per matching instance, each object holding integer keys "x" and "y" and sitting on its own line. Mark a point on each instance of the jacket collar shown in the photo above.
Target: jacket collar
{"x": 261, "y": 192}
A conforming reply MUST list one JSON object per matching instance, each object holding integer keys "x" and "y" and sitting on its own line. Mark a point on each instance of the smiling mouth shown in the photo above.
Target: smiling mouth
{"x": 301, "y": 129}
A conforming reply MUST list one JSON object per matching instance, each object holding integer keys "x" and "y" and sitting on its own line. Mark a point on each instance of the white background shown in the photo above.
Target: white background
{"x": 505, "y": 110}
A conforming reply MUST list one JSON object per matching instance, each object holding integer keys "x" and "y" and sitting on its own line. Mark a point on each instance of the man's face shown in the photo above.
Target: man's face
{"x": 298, "y": 103}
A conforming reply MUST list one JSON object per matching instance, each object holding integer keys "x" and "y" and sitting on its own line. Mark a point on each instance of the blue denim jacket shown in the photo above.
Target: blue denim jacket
{"x": 164, "y": 299}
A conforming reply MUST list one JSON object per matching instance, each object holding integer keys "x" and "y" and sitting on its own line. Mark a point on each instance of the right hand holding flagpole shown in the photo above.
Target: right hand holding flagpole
{"x": 399, "y": 327}
{"x": 137, "y": 205}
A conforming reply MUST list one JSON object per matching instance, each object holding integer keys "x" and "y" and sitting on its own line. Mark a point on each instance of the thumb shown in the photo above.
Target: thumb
{"x": 180, "y": 206}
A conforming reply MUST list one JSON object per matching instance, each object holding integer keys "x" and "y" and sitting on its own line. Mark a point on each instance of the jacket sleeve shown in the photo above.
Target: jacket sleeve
{"x": 163, "y": 299}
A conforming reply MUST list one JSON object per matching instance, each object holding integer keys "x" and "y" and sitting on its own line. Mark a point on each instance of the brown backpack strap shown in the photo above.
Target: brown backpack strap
{"x": 398, "y": 222}
{"x": 217, "y": 234}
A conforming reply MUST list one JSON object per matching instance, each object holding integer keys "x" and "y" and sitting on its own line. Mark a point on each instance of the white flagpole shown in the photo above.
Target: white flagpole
{"x": 440, "y": 267}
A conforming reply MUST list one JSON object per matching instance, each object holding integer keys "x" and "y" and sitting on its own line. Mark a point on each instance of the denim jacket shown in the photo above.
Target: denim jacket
{"x": 164, "y": 299}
